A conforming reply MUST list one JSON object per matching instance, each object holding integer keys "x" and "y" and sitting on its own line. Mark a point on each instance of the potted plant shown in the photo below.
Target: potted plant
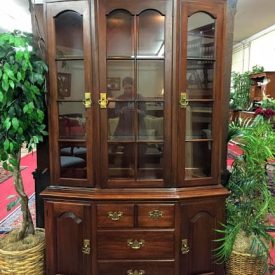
{"x": 245, "y": 243}
{"x": 22, "y": 87}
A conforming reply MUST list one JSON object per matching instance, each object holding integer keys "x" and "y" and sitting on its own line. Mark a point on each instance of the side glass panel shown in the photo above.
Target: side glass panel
{"x": 151, "y": 34}
{"x": 69, "y": 34}
{"x": 119, "y": 34}
{"x": 70, "y": 80}
{"x": 200, "y": 95}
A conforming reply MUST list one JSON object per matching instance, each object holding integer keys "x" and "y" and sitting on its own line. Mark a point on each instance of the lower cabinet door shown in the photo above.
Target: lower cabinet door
{"x": 199, "y": 220}
{"x": 68, "y": 238}
{"x": 136, "y": 268}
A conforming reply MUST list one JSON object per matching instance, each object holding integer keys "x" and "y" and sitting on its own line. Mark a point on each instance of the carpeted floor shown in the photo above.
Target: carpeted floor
{"x": 7, "y": 188}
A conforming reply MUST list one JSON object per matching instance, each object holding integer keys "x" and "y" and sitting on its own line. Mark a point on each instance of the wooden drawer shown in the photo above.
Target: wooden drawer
{"x": 136, "y": 268}
{"x": 122, "y": 244}
{"x": 158, "y": 215}
{"x": 115, "y": 215}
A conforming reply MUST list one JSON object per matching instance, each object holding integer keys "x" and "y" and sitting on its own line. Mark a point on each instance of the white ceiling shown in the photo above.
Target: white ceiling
{"x": 252, "y": 16}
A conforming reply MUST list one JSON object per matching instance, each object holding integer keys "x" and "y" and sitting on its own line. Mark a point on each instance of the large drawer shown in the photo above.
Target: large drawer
{"x": 136, "y": 268}
{"x": 115, "y": 215}
{"x": 156, "y": 215}
{"x": 134, "y": 244}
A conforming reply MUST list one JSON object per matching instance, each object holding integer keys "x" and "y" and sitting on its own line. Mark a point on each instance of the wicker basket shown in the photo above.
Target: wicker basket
{"x": 245, "y": 264}
{"x": 29, "y": 261}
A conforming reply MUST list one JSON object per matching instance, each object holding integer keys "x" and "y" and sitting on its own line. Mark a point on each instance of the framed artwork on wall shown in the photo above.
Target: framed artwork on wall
{"x": 113, "y": 83}
{"x": 64, "y": 85}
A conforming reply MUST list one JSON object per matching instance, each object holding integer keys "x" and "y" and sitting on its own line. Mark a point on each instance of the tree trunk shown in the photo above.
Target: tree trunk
{"x": 27, "y": 223}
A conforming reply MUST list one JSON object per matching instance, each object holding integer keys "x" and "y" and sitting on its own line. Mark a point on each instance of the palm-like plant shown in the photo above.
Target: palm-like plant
{"x": 250, "y": 199}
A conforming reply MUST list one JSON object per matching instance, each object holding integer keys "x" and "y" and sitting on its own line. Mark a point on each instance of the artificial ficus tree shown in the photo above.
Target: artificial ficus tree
{"x": 22, "y": 89}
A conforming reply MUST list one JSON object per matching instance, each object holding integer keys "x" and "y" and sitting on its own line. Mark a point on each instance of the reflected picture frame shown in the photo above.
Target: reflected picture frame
{"x": 64, "y": 85}
{"x": 113, "y": 83}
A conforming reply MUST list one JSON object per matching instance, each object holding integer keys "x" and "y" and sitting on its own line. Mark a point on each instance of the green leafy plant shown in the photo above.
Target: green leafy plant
{"x": 250, "y": 198}
{"x": 22, "y": 87}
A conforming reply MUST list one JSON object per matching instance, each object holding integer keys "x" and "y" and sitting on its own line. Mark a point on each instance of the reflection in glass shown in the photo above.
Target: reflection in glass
{"x": 201, "y": 36}
{"x": 73, "y": 160}
{"x": 151, "y": 34}
{"x": 197, "y": 166}
{"x": 71, "y": 120}
{"x": 150, "y": 161}
{"x": 150, "y": 78}
{"x": 121, "y": 160}
{"x": 69, "y": 34}
{"x": 200, "y": 79}
{"x": 119, "y": 34}
{"x": 120, "y": 79}
{"x": 150, "y": 124}
{"x": 199, "y": 120}
{"x": 70, "y": 80}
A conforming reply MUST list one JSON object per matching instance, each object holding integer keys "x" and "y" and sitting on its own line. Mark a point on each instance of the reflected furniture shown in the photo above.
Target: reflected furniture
{"x": 136, "y": 135}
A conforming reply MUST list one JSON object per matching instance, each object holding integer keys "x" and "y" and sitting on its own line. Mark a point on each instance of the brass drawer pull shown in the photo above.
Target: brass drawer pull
{"x": 115, "y": 216}
{"x": 86, "y": 248}
{"x": 184, "y": 247}
{"x": 156, "y": 214}
{"x": 135, "y": 244}
{"x": 135, "y": 272}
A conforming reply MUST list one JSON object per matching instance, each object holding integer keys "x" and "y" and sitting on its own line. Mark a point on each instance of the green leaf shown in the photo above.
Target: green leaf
{"x": 5, "y": 165}
{"x": 7, "y": 123}
{"x": 26, "y": 108}
{"x": 6, "y": 145}
{"x": 11, "y": 84}
{"x": 13, "y": 161}
{"x": 15, "y": 123}
{"x": 1, "y": 96}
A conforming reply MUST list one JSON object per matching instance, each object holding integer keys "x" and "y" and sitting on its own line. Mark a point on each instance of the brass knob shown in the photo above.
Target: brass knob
{"x": 86, "y": 248}
{"x": 87, "y": 100}
{"x": 135, "y": 244}
{"x": 183, "y": 100}
{"x": 184, "y": 247}
{"x": 115, "y": 216}
{"x": 135, "y": 272}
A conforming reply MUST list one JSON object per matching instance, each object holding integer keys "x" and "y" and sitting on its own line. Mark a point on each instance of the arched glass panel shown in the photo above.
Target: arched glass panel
{"x": 69, "y": 34}
{"x": 120, "y": 34}
{"x": 151, "y": 34}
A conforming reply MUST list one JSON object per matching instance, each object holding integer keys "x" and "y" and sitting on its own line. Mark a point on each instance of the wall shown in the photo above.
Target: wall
{"x": 259, "y": 50}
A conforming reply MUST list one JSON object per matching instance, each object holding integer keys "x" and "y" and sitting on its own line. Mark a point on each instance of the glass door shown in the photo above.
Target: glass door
{"x": 68, "y": 41}
{"x": 135, "y": 81}
{"x": 200, "y": 89}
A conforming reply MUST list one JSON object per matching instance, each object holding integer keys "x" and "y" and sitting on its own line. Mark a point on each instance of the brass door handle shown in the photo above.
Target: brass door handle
{"x": 103, "y": 101}
{"x": 87, "y": 100}
{"x": 184, "y": 247}
{"x": 183, "y": 100}
{"x": 115, "y": 216}
{"x": 135, "y": 244}
{"x": 86, "y": 247}
{"x": 135, "y": 272}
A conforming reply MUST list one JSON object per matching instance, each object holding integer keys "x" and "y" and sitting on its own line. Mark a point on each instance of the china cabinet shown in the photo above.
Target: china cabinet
{"x": 136, "y": 135}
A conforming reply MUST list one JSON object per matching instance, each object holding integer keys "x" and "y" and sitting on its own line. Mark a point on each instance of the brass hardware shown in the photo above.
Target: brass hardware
{"x": 115, "y": 216}
{"x": 86, "y": 248}
{"x": 103, "y": 102}
{"x": 135, "y": 244}
{"x": 88, "y": 100}
{"x": 135, "y": 272}
{"x": 183, "y": 100}
{"x": 156, "y": 214}
{"x": 184, "y": 247}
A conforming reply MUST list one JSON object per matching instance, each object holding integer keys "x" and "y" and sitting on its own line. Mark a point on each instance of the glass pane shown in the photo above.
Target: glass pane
{"x": 150, "y": 120}
{"x": 151, "y": 34}
{"x": 121, "y": 121}
{"x": 71, "y": 120}
{"x": 201, "y": 36}
{"x": 120, "y": 80}
{"x": 119, "y": 34}
{"x": 121, "y": 160}
{"x": 199, "y": 120}
{"x": 197, "y": 166}
{"x": 70, "y": 80}
{"x": 200, "y": 76}
{"x": 73, "y": 160}
{"x": 150, "y": 161}
{"x": 150, "y": 78}
{"x": 69, "y": 34}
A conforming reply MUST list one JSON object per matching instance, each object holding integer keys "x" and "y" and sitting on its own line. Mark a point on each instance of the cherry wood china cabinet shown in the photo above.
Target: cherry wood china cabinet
{"x": 137, "y": 101}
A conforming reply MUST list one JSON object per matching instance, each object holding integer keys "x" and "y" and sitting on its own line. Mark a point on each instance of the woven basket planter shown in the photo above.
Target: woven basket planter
{"x": 29, "y": 261}
{"x": 245, "y": 264}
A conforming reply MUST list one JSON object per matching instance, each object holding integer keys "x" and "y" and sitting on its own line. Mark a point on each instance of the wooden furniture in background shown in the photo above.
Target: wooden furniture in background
{"x": 136, "y": 184}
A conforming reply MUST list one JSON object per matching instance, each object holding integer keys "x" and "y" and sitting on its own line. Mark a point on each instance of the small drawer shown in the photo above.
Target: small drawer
{"x": 115, "y": 215}
{"x": 156, "y": 215}
{"x": 122, "y": 244}
{"x": 136, "y": 268}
